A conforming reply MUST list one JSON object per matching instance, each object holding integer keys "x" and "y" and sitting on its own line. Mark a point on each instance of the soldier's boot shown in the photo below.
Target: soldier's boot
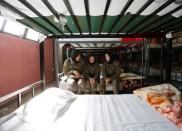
{"x": 115, "y": 87}
{"x": 94, "y": 88}
{"x": 81, "y": 86}
{"x": 87, "y": 87}
{"x": 102, "y": 86}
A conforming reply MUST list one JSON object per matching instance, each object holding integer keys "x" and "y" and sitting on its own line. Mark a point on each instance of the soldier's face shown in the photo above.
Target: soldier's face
{"x": 92, "y": 59}
{"x": 107, "y": 57}
{"x": 78, "y": 58}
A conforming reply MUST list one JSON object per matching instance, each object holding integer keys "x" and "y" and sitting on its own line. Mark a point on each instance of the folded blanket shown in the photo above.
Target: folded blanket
{"x": 173, "y": 113}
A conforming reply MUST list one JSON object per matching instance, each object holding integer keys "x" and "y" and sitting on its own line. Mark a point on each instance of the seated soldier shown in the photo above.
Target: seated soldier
{"x": 110, "y": 72}
{"x": 73, "y": 68}
{"x": 92, "y": 74}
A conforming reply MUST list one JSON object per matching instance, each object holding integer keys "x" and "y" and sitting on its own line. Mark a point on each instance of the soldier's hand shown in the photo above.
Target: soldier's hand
{"x": 76, "y": 73}
{"x": 72, "y": 76}
{"x": 81, "y": 76}
{"x": 92, "y": 81}
{"x": 107, "y": 80}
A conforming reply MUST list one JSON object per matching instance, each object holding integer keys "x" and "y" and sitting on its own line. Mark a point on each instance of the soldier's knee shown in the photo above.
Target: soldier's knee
{"x": 102, "y": 83}
{"x": 73, "y": 89}
{"x": 115, "y": 85}
{"x": 87, "y": 89}
{"x": 116, "y": 92}
{"x": 102, "y": 89}
{"x": 94, "y": 89}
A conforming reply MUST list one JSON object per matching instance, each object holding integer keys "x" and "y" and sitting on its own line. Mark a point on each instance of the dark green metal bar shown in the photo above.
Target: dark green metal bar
{"x": 30, "y": 26}
{"x": 174, "y": 28}
{"x": 49, "y": 6}
{"x": 158, "y": 34}
{"x": 135, "y": 15}
{"x": 151, "y": 15}
{"x": 121, "y": 14}
{"x": 171, "y": 22}
{"x": 29, "y": 6}
{"x": 66, "y": 2}
{"x": 161, "y": 18}
{"x": 12, "y": 8}
{"x": 86, "y": 2}
{"x": 158, "y": 27}
{"x": 104, "y": 16}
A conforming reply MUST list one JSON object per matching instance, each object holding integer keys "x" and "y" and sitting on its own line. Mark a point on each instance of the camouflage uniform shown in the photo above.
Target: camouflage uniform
{"x": 68, "y": 68}
{"x": 110, "y": 70}
{"x": 92, "y": 71}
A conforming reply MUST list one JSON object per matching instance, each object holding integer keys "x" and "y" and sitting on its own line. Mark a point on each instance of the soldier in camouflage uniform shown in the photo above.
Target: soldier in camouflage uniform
{"x": 92, "y": 75}
{"x": 110, "y": 72}
{"x": 73, "y": 68}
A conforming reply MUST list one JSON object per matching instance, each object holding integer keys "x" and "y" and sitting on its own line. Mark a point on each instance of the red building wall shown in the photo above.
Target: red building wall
{"x": 19, "y": 63}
